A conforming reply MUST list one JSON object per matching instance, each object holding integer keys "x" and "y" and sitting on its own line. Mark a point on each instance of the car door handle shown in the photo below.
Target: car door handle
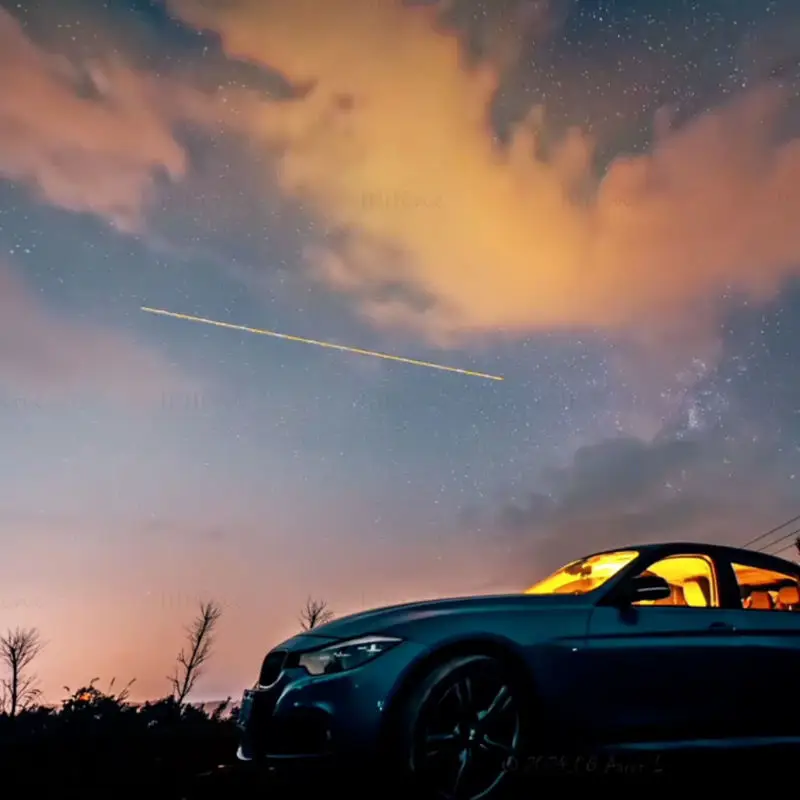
{"x": 721, "y": 627}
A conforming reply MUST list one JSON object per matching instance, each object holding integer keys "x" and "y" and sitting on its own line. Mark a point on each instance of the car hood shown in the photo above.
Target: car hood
{"x": 390, "y": 619}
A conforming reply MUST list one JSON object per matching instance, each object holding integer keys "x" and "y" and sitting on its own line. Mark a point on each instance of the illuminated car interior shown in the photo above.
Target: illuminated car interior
{"x": 764, "y": 590}
{"x": 691, "y": 580}
{"x": 585, "y": 575}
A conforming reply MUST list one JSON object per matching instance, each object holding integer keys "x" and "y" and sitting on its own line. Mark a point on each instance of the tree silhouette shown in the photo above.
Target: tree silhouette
{"x": 316, "y": 612}
{"x": 797, "y": 544}
{"x": 18, "y": 649}
{"x": 200, "y": 637}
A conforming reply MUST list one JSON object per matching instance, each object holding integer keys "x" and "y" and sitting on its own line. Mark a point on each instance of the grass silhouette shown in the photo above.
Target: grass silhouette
{"x": 97, "y": 742}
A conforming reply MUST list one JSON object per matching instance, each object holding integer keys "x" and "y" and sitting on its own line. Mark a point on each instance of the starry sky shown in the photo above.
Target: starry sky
{"x": 596, "y": 200}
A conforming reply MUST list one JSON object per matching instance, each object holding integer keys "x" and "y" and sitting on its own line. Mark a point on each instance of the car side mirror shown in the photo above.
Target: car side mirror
{"x": 646, "y": 587}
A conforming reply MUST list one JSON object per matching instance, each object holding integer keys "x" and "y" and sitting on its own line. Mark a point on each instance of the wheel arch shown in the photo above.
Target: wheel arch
{"x": 500, "y": 648}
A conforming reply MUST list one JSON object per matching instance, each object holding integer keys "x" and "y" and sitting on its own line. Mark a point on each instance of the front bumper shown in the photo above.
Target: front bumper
{"x": 327, "y": 719}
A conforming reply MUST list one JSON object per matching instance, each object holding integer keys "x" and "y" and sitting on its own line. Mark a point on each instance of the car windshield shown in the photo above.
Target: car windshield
{"x": 584, "y": 575}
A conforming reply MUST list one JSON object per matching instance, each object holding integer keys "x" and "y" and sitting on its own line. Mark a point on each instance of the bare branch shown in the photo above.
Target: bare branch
{"x": 315, "y": 613}
{"x": 191, "y": 659}
{"x": 18, "y": 649}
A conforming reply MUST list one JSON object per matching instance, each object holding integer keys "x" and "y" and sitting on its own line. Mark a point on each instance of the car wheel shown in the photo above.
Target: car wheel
{"x": 462, "y": 729}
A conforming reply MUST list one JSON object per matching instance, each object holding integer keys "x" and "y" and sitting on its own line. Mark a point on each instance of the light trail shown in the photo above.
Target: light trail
{"x": 330, "y": 345}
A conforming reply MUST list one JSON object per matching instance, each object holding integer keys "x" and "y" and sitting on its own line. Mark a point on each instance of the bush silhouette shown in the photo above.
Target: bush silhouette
{"x": 98, "y": 740}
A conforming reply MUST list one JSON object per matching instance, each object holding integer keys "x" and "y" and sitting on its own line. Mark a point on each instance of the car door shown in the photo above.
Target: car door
{"x": 660, "y": 670}
{"x": 768, "y": 638}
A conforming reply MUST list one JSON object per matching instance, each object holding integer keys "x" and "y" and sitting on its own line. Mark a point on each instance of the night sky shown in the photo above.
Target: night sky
{"x": 597, "y": 200}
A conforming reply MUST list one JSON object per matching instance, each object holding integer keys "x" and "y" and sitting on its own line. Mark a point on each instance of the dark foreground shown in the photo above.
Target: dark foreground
{"x": 624, "y": 775}
{"x": 96, "y": 746}
{"x": 95, "y": 779}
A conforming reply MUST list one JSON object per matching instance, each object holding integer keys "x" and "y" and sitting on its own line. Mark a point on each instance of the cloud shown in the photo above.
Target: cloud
{"x": 44, "y": 355}
{"x": 95, "y": 136}
{"x": 505, "y": 31}
{"x": 88, "y": 139}
{"x": 627, "y": 491}
{"x": 487, "y": 238}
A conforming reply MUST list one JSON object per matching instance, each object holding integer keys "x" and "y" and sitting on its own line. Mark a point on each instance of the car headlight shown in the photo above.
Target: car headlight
{"x": 346, "y": 655}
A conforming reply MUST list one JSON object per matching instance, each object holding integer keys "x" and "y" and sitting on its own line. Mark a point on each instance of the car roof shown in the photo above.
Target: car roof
{"x": 754, "y": 557}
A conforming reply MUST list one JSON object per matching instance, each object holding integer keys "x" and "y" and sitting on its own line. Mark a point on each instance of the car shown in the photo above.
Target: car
{"x": 652, "y": 648}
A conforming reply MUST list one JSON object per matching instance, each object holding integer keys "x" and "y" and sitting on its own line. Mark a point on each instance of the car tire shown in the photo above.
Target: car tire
{"x": 469, "y": 714}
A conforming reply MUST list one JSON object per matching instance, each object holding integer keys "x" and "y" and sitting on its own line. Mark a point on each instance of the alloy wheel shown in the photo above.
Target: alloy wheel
{"x": 468, "y": 732}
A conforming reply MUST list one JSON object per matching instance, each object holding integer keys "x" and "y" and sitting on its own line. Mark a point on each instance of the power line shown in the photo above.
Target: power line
{"x": 793, "y": 546}
{"x": 777, "y": 541}
{"x": 773, "y": 530}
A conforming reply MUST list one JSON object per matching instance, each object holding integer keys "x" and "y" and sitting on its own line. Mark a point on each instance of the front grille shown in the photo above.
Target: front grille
{"x": 272, "y": 667}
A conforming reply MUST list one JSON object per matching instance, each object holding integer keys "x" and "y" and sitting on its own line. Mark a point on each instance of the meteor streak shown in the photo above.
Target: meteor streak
{"x": 330, "y": 345}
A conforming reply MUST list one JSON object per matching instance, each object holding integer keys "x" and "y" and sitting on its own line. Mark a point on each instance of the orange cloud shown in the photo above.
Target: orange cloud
{"x": 95, "y": 137}
{"x": 43, "y": 355}
{"x": 89, "y": 140}
{"x": 391, "y": 146}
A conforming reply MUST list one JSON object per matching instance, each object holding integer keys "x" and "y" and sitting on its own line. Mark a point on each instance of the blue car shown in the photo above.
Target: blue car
{"x": 648, "y": 648}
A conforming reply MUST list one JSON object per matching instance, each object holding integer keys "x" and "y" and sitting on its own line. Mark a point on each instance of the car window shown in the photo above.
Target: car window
{"x": 765, "y": 590}
{"x": 691, "y": 578}
{"x": 585, "y": 575}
